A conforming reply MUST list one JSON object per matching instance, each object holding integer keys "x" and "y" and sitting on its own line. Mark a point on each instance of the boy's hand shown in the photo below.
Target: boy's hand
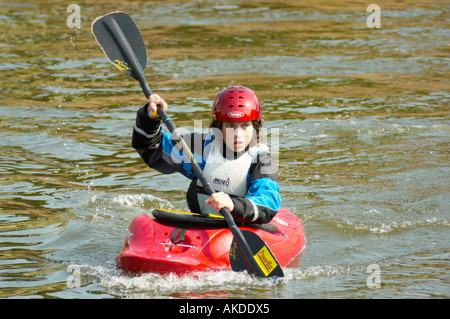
{"x": 220, "y": 200}
{"x": 153, "y": 101}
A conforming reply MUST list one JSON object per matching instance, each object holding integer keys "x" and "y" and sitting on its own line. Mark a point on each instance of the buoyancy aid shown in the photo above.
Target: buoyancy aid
{"x": 226, "y": 175}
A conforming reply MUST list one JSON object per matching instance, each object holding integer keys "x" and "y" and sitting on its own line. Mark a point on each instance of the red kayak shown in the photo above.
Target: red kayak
{"x": 181, "y": 242}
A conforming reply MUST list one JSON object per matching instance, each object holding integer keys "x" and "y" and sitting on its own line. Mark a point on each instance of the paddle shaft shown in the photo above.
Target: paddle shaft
{"x": 238, "y": 236}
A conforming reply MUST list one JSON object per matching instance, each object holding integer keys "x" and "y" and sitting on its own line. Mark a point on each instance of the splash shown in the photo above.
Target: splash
{"x": 213, "y": 284}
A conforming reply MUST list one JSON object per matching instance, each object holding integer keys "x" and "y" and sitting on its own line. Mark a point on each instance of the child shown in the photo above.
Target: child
{"x": 238, "y": 167}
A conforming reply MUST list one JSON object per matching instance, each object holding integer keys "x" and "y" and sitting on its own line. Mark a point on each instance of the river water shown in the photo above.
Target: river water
{"x": 358, "y": 116}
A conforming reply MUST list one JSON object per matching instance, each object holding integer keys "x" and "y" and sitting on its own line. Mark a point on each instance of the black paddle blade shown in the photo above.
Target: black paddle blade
{"x": 268, "y": 265}
{"x": 118, "y": 36}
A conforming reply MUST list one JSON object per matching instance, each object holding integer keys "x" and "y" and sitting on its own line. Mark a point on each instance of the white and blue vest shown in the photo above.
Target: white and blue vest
{"x": 226, "y": 175}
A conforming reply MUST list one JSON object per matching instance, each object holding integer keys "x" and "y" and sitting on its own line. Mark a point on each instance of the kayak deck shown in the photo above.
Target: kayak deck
{"x": 180, "y": 242}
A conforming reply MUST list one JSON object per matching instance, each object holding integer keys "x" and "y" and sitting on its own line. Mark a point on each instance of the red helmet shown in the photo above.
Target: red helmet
{"x": 236, "y": 104}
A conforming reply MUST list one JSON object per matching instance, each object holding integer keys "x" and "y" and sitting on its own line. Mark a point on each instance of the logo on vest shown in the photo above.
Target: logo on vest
{"x": 222, "y": 182}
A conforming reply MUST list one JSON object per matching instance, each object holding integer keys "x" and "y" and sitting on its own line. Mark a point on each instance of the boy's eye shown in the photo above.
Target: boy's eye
{"x": 233, "y": 126}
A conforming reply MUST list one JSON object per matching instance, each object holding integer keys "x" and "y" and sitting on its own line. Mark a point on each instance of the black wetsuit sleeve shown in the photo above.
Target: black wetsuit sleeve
{"x": 160, "y": 150}
{"x": 147, "y": 140}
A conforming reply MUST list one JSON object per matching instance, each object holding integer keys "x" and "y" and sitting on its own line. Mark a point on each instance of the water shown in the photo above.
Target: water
{"x": 363, "y": 128}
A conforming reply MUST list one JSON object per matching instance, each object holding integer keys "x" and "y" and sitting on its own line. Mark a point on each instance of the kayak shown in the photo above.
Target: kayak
{"x": 181, "y": 242}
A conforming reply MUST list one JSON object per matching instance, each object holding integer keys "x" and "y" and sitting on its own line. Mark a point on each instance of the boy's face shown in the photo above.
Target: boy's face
{"x": 237, "y": 135}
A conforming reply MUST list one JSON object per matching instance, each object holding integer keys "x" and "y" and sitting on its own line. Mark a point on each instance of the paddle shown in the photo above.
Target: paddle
{"x": 122, "y": 43}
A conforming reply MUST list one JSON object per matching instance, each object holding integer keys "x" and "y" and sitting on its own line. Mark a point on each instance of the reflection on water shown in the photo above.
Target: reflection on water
{"x": 363, "y": 142}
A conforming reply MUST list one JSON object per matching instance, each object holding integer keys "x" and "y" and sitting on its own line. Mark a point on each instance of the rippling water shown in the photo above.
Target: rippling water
{"x": 362, "y": 116}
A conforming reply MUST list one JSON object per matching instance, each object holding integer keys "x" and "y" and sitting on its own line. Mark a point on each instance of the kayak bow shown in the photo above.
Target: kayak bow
{"x": 181, "y": 243}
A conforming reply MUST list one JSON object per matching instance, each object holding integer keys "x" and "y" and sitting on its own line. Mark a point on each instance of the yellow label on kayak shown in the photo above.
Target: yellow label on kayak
{"x": 233, "y": 251}
{"x": 265, "y": 260}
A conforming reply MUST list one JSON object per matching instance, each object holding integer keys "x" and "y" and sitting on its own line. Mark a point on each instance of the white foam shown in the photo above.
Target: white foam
{"x": 150, "y": 285}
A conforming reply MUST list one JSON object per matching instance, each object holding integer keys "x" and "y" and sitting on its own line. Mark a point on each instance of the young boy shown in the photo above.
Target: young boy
{"x": 238, "y": 167}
